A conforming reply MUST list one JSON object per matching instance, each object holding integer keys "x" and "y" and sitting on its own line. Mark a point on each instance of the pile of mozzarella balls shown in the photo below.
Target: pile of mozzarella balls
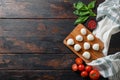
{"x": 86, "y": 45}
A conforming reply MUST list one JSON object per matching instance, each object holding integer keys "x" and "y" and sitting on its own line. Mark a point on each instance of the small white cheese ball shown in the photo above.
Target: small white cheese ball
{"x": 79, "y": 38}
{"x": 90, "y": 37}
{"x": 83, "y": 31}
{"x": 70, "y": 41}
{"x": 86, "y": 55}
{"x": 86, "y": 45}
{"x": 96, "y": 47}
{"x": 77, "y": 47}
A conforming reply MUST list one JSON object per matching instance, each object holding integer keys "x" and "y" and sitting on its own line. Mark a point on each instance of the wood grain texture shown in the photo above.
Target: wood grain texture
{"x": 36, "y": 61}
{"x": 41, "y": 75}
{"x": 38, "y": 8}
{"x": 34, "y": 36}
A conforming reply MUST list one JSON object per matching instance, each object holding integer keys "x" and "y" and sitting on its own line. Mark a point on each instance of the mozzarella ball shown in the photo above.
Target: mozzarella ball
{"x": 90, "y": 37}
{"x": 83, "y": 31}
{"x": 86, "y": 55}
{"x": 77, "y": 47}
{"x": 96, "y": 47}
{"x": 79, "y": 38}
{"x": 86, "y": 45}
{"x": 70, "y": 42}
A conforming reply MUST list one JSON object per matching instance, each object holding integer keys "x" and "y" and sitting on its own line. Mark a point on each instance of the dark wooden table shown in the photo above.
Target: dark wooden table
{"x": 31, "y": 40}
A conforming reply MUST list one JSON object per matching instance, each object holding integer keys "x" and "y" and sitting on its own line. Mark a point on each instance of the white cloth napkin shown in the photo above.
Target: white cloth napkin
{"x": 105, "y": 29}
{"x": 108, "y": 14}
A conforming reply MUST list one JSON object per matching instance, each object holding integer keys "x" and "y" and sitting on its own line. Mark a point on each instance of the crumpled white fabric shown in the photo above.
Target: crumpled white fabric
{"x": 105, "y": 29}
{"x": 108, "y": 13}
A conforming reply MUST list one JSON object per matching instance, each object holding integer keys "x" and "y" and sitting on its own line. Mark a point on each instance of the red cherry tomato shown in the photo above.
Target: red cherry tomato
{"x": 92, "y": 24}
{"x": 84, "y": 73}
{"x": 74, "y": 67}
{"x": 78, "y": 61}
{"x": 94, "y": 74}
{"x": 88, "y": 68}
{"x": 81, "y": 67}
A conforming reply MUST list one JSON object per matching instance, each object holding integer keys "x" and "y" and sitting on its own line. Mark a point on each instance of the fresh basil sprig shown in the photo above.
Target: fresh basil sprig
{"x": 83, "y": 11}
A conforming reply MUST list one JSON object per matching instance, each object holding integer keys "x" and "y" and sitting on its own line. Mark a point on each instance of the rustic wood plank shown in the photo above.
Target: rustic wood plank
{"x": 33, "y": 27}
{"x": 30, "y": 36}
{"x": 36, "y": 61}
{"x": 38, "y": 8}
{"x": 41, "y": 75}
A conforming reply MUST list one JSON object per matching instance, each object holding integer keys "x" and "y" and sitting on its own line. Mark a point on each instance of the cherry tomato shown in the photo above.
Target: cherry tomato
{"x": 92, "y": 24}
{"x": 78, "y": 61}
{"x": 81, "y": 67}
{"x": 94, "y": 74}
{"x": 74, "y": 67}
{"x": 88, "y": 68}
{"x": 84, "y": 74}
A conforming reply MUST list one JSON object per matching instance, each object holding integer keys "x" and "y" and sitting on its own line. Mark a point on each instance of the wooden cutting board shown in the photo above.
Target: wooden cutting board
{"x": 94, "y": 54}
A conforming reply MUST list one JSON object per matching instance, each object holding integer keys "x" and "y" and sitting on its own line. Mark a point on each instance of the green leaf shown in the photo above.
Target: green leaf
{"x": 92, "y": 13}
{"x": 84, "y": 8}
{"x": 78, "y": 5}
{"x": 84, "y": 13}
{"x": 81, "y": 19}
{"x": 81, "y": 13}
{"x": 91, "y": 5}
{"x": 76, "y": 12}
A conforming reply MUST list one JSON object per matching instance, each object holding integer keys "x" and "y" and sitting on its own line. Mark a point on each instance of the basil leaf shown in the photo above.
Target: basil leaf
{"x": 84, "y": 13}
{"x": 92, "y": 13}
{"x": 91, "y": 5}
{"x": 76, "y": 12}
{"x": 81, "y": 19}
{"x": 78, "y": 5}
{"x": 81, "y": 13}
{"x": 84, "y": 8}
